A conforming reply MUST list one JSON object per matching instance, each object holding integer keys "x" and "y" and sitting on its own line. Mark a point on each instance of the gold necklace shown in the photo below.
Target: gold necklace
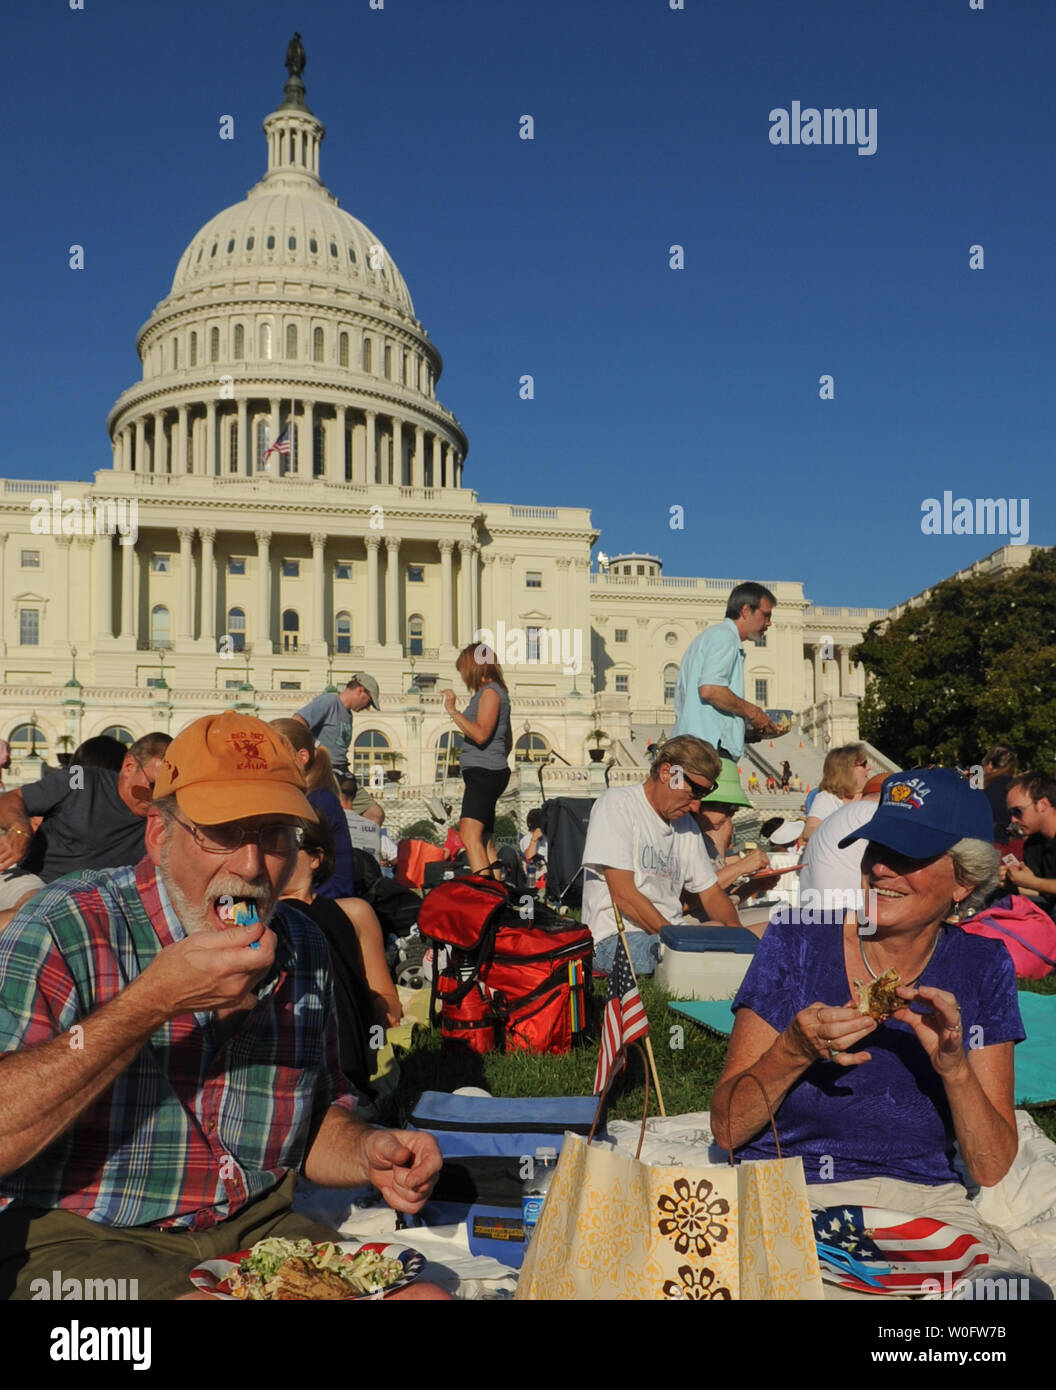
{"x": 920, "y": 972}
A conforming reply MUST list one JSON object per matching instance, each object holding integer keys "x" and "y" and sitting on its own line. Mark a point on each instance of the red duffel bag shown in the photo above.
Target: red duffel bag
{"x": 510, "y": 975}
{"x": 1027, "y": 931}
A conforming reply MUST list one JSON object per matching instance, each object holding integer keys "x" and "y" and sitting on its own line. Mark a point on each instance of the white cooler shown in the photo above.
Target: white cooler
{"x": 703, "y": 962}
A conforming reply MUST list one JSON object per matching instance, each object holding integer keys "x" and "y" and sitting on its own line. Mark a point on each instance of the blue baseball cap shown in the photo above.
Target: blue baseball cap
{"x": 924, "y": 812}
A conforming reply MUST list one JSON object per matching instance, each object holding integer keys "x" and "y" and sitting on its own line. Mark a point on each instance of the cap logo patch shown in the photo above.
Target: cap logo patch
{"x": 171, "y": 769}
{"x": 248, "y": 745}
{"x": 909, "y": 794}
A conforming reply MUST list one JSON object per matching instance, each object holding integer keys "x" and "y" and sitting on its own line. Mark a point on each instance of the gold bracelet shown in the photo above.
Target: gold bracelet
{"x": 15, "y": 830}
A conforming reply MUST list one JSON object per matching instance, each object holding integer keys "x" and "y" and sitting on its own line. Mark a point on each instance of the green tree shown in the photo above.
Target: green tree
{"x": 972, "y": 666}
{"x": 421, "y": 830}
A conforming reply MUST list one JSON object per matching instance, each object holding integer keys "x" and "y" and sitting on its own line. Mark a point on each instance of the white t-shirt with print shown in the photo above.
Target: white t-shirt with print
{"x": 626, "y": 833}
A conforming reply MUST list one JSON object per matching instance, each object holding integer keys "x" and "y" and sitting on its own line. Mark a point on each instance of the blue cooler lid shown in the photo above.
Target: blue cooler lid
{"x": 688, "y": 936}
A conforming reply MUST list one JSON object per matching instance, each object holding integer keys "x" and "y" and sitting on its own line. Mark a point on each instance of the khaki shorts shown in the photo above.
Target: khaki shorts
{"x": 57, "y": 1246}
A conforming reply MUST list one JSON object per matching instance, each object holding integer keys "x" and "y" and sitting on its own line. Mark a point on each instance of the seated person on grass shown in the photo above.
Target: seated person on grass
{"x": 167, "y": 1071}
{"x": 644, "y": 850}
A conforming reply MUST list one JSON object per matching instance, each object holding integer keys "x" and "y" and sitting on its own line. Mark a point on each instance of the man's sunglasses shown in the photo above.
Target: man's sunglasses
{"x": 226, "y": 839}
{"x": 699, "y": 789}
{"x": 1016, "y": 811}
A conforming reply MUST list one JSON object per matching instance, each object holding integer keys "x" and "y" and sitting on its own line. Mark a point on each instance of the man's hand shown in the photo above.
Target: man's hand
{"x": 14, "y": 845}
{"x": 1020, "y": 875}
{"x": 403, "y": 1165}
{"x": 763, "y": 725}
{"x": 209, "y": 970}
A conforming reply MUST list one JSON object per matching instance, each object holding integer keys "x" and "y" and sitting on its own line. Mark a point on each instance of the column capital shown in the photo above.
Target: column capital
{"x": 506, "y": 560}
{"x": 62, "y": 541}
{"x": 467, "y": 547}
{"x": 208, "y": 534}
{"x": 392, "y": 542}
{"x": 185, "y": 533}
{"x": 318, "y": 538}
{"x": 372, "y": 540}
{"x": 445, "y": 546}
{"x": 263, "y": 537}
{"x": 488, "y": 558}
{"x": 563, "y": 562}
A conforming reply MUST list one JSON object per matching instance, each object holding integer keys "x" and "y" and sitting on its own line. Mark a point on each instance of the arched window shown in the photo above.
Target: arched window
{"x": 264, "y": 342}
{"x": 531, "y": 748}
{"x": 291, "y": 342}
{"x": 263, "y": 442}
{"x": 317, "y": 345}
{"x": 291, "y": 242}
{"x": 232, "y": 447}
{"x": 342, "y": 350}
{"x": 291, "y": 629}
{"x": 240, "y": 342}
{"x": 250, "y": 242}
{"x": 388, "y": 362}
{"x": 670, "y": 680}
{"x": 343, "y": 634}
{"x": 160, "y": 634}
{"x": 236, "y": 629}
{"x": 214, "y": 345}
{"x": 194, "y": 350}
{"x": 123, "y": 735}
{"x": 25, "y": 739}
{"x": 313, "y": 246}
{"x": 368, "y": 355}
{"x": 448, "y": 747}
{"x": 415, "y": 635}
{"x": 368, "y": 761}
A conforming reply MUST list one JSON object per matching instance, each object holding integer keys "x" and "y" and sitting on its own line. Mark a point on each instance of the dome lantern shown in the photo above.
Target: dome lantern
{"x": 294, "y": 134}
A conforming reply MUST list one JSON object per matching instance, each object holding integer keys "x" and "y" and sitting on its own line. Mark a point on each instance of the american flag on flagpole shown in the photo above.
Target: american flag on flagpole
{"x": 281, "y": 446}
{"x": 625, "y": 1020}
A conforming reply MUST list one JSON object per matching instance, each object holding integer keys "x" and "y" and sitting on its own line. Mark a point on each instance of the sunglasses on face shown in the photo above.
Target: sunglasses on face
{"x": 1016, "y": 811}
{"x": 699, "y": 789}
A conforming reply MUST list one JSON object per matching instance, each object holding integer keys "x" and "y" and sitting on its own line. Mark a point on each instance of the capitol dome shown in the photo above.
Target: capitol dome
{"x": 288, "y": 323}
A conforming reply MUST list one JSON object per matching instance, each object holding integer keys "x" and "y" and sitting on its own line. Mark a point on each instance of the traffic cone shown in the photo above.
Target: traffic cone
{"x": 771, "y": 743}
{"x": 801, "y": 743}
{"x": 808, "y": 787}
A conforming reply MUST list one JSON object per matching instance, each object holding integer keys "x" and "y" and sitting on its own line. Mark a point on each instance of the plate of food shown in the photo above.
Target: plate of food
{"x": 302, "y": 1270}
{"x": 875, "y": 1250}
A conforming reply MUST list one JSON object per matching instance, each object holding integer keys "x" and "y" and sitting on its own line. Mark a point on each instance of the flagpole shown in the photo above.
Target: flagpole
{"x": 647, "y": 1039}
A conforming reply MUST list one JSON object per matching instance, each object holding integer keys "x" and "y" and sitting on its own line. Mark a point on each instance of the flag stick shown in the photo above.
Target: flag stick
{"x": 647, "y": 1039}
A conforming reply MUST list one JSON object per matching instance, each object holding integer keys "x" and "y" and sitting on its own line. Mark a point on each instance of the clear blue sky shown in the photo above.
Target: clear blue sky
{"x": 654, "y": 387}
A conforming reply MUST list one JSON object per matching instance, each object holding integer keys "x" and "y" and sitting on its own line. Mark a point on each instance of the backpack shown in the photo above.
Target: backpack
{"x": 411, "y": 859}
{"x": 1028, "y": 932}
{"x": 505, "y": 981}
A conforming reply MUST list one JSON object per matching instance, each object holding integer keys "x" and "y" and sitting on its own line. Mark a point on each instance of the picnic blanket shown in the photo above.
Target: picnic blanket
{"x": 1035, "y": 1057}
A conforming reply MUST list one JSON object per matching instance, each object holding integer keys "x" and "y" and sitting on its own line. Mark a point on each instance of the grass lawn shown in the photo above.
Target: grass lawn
{"x": 689, "y": 1060}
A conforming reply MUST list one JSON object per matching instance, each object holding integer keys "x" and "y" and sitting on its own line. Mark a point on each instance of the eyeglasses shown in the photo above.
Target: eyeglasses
{"x": 226, "y": 839}
{"x": 1016, "y": 811}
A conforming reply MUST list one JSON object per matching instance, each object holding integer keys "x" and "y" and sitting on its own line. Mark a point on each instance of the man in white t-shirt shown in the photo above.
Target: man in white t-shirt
{"x": 644, "y": 849}
{"x": 832, "y": 874}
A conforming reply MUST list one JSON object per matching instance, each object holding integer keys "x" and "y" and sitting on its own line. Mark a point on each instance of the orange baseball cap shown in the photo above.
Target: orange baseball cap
{"x": 228, "y": 767}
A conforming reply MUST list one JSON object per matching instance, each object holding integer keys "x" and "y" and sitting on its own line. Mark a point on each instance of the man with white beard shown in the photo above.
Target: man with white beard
{"x": 170, "y": 1041}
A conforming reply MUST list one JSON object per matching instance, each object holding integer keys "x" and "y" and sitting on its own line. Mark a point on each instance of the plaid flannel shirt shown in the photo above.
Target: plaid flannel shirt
{"x": 194, "y": 1128}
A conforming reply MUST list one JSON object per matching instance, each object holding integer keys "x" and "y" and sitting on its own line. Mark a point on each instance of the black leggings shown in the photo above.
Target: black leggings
{"x": 484, "y": 786}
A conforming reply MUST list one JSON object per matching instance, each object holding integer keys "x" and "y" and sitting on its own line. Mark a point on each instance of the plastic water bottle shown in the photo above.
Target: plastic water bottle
{"x": 535, "y": 1188}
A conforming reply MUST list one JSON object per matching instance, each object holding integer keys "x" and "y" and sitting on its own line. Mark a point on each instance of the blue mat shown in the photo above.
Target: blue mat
{"x": 1035, "y": 1058}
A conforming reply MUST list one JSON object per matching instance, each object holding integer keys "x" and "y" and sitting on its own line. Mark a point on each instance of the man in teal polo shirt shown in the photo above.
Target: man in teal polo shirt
{"x": 709, "y": 694}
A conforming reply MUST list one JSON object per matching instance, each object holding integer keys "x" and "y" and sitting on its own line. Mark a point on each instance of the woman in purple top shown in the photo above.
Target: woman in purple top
{"x": 875, "y": 1109}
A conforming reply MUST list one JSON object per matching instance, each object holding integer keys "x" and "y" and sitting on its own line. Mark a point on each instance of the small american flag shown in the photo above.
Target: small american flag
{"x": 281, "y": 446}
{"x": 909, "y": 1250}
{"x": 625, "y": 1020}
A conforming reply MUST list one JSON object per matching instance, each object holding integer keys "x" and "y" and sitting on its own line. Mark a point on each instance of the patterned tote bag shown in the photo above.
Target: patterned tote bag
{"x": 614, "y": 1227}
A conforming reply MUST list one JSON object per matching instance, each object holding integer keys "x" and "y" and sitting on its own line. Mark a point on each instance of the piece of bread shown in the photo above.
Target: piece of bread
{"x": 877, "y": 998}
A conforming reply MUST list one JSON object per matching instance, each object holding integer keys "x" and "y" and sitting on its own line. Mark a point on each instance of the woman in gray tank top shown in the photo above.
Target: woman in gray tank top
{"x": 484, "y": 760}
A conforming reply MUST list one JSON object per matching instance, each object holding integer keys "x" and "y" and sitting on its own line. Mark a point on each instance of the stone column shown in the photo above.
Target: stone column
{"x": 263, "y": 640}
{"x": 418, "y": 465}
{"x": 372, "y": 542}
{"x": 102, "y": 549}
{"x": 306, "y": 467}
{"x": 487, "y": 597}
{"x": 117, "y": 453}
{"x": 208, "y": 633}
{"x": 447, "y": 595}
{"x": 181, "y": 440}
{"x": 242, "y": 461}
{"x": 392, "y": 590}
{"x": 437, "y": 450}
{"x": 845, "y": 670}
{"x": 272, "y": 465}
{"x": 335, "y": 459}
{"x": 506, "y": 592}
{"x": 126, "y": 449}
{"x": 141, "y": 445}
{"x": 819, "y": 675}
{"x": 185, "y": 629}
{"x": 467, "y": 551}
{"x": 318, "y": 633}
{"x": 210, "y": 439}
{"x": 371, "y": 460}
{"x": 396, "y": 462}
{"x": 128, "y": 592}
{"x": 159, "y": 454}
